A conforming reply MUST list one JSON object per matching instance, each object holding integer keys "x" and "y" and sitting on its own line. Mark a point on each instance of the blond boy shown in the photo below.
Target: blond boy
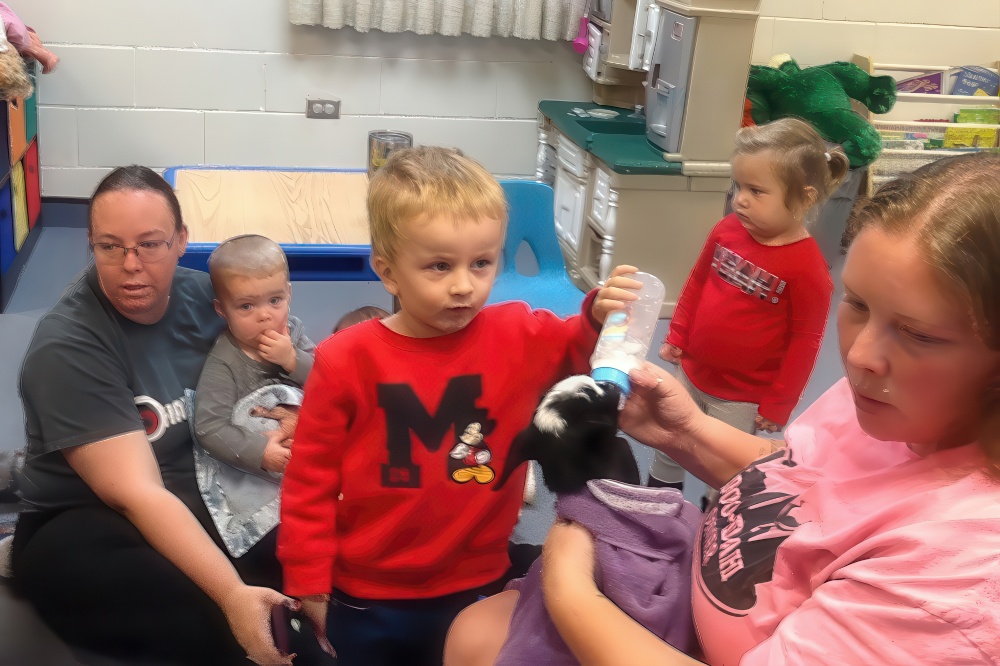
{"x": 261, "y": 360}
{"x": 386, "y": 504}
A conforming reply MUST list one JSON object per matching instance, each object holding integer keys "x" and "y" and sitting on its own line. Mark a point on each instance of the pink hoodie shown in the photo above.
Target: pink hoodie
{"x": 844, "y": 549}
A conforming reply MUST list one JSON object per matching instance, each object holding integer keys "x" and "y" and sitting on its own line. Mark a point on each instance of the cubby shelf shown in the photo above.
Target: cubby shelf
{"x": 20, "y": 192}
{"x": 913, "y": 110}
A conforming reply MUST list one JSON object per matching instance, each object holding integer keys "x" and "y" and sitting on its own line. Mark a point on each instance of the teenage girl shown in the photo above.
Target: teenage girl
{"x": 748, "y": 325}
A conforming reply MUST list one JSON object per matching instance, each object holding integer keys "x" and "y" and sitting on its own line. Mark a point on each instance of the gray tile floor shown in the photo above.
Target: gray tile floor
{"x": 61, "y": 252}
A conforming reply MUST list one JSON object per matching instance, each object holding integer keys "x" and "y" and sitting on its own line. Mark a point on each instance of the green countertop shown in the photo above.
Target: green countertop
{"x": 619, "y": 142}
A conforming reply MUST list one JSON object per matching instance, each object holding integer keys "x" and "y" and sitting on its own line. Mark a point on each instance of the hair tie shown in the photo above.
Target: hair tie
{"x": 827, "y": 156}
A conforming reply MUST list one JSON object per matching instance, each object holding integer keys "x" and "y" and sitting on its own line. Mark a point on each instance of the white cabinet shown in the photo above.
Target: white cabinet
{"x": 644, "y": 28}
{"x": 604, "y": 218}
{"x": 570, "y": 206}
{"x": 604, "y": 204}
{"x": 592, "y": 64}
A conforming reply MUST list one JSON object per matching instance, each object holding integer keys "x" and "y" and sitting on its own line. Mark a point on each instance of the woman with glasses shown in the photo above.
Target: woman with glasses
{"x": 117, "y": 551}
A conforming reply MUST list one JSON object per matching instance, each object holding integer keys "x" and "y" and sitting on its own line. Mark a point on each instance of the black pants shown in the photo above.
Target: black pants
{"x": 393, "y": 632}
{"x": 103, "y": 589}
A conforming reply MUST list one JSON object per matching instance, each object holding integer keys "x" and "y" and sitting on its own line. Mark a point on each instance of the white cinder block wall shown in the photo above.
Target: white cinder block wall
{"x": 225, "y": 81}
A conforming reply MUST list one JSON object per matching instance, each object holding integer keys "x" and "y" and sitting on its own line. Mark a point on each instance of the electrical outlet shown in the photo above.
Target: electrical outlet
{"x": 322, "y": 108}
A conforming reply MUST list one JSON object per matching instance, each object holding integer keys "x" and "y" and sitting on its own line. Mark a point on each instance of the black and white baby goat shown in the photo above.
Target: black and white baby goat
{"x": 574, "y": 437}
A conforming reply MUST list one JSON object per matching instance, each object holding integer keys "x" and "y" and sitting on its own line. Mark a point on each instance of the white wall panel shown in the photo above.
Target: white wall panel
{"x": 77, "y": 182}
{"x": 60, "y": 145}
{"x": 113, "y": 137}
{"x": 521, "y": 84}
{"x": 220, "y": 24}
{"x": 763, "y": 41}
{"x": 975, "y": 13}
{"x": 935, "y": 45}
{"x": 198, "y": 79}
{"x": 289, "y": 79}
{"x": 274, "y": 139}
{"x": 438, "y": 88}
{"x": 806, "y": 9}
{"x": 819, "y": 42}
{"x": 90, "y": 76}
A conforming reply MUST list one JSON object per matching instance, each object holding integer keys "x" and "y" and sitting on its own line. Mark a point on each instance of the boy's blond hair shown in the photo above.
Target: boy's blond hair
{"x": 249, "y": 255}
{"x": 432, "y": 181}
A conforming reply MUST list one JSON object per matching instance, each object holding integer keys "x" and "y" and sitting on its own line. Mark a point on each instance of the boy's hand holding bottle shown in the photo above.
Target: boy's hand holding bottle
{"x": 616, "y": 292}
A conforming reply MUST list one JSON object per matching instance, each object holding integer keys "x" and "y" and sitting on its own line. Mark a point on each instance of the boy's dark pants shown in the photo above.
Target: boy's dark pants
{"x": 407, "y": 632}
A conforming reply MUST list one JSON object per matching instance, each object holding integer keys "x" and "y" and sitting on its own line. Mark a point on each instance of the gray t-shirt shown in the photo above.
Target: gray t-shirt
{"x": 90, "y": 374}
{"x": 230, "y": 375}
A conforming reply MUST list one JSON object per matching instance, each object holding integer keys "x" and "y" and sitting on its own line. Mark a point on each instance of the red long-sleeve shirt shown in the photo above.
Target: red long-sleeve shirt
{"x": 750, "y": 319}
{"x": 411, "y": 435}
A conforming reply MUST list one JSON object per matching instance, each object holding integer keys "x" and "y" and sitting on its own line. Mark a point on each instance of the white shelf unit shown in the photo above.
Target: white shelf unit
{"x": 604, "y": 218}
{"x": 918, "y": 110}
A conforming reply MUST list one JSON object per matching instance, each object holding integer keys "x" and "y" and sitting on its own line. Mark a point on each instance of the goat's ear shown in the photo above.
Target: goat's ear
{"x": 520, "y": 452}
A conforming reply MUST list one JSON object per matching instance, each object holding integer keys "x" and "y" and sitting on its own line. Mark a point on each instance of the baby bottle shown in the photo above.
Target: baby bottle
{"x": 626, "y": 335}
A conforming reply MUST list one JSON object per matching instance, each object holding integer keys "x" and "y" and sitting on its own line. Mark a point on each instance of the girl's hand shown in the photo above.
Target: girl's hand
{"x": 618, "y": 291}
{"x": 248, "y": 611}
{"x": 766, "y": 424}
{"x": 567, "y": 562}
{"x": 670, "y": 353}
{"x": 278, "y": 349}
{"x": 659, "y": 412}
{"x": 314, "y": 607}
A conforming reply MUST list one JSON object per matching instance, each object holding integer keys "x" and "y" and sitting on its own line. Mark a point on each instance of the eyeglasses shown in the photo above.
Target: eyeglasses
{"x": 146, "y": 251}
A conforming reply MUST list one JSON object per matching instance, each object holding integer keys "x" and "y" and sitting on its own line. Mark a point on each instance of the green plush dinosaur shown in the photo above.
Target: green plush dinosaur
{"x": 822, "y": 97}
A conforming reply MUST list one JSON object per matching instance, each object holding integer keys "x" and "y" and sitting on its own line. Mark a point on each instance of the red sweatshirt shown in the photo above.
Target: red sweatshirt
{"x": 750, "y": 319}
{"x": 390, "y": 491}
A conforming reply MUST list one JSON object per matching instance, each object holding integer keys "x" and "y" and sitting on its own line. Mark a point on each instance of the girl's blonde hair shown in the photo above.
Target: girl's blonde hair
{"x": 951, "y": 208}
{"x": 429, "y": 181}
{"x": 800, "y": 158}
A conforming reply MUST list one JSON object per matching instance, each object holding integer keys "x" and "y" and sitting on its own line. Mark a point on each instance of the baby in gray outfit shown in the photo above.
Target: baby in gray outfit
{"x": 261, "y": 360}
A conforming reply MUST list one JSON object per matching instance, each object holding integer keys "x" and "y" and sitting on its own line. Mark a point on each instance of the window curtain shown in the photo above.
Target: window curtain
{"x": 526, "y": 19}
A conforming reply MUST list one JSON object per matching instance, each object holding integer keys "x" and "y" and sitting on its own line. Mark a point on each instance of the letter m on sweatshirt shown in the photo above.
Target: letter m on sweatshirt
{"x": 406, "y": 414}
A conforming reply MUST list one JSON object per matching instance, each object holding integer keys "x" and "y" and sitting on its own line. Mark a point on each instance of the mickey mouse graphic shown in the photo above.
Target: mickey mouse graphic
{"x": 470, "y": 455}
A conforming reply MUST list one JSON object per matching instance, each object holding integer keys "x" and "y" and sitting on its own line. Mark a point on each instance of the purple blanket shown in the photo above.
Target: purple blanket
{"x": 645, "y": 538}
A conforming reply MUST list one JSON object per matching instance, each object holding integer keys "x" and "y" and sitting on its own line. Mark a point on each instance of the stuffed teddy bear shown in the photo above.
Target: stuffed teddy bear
{"x": 822, "y": 97}
{"x": 14, "y": 80}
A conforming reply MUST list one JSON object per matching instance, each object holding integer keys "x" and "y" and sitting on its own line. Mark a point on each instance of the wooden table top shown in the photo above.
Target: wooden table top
{"x": 325, "y": 207}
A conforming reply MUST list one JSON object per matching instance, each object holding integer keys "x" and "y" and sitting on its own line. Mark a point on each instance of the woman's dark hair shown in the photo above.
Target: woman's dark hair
{"x": 135, "y": 178}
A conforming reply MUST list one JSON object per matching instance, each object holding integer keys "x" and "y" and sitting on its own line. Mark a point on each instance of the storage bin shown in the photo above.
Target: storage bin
{"x": 7, "y": 251}
{"x": 31, "y": 184}
{"x": 19, "y": 204}
{"x": 15, "y": 129}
